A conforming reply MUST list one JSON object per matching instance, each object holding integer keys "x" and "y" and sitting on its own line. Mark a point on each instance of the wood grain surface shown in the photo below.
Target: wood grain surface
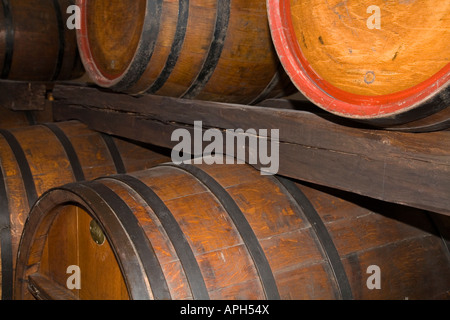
{"x": 35, "y": 43}
{"x": 404, "y": 243}
{"x": 207, "y": 50}
{"x": 46, "y": 164}
{"x": 404, "y": 168}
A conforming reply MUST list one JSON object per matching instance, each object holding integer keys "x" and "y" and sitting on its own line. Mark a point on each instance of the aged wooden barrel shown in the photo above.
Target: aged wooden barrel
{"x": 206, "y": 50}
{"x": 35, "y": 43}
{"x": 11, "y": 119}
{"x": 34, "y": 159}
{"x": 383, "y": 62}
{"x": 222, "y": 232}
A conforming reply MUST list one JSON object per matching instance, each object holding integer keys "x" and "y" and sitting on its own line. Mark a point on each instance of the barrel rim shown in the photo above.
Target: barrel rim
{"x": 86, "y": 198}
{"x": 346, "y": 104}
{"x": 85, "y": 52}
{"x": 142, "y": 55}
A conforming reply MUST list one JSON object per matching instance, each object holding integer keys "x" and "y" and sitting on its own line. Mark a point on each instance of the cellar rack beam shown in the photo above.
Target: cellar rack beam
{"x": 405, "y": 168}
{"x": 24, "y": 96}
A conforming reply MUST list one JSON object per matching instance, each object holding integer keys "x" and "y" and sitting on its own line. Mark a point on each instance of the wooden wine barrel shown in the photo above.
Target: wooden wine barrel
{"x": 205, "y": 50}
{"x": 35, "y": 43}
{"x": 383, "y": 62}
{"x": 12, "y": 119}
{"x": 222, "y": 232}
{"x": 34, "y": 159}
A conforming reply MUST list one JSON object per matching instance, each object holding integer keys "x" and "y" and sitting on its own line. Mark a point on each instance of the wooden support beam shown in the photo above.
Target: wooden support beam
{"x": 405, "y": 168}
{"x": 24, "y": 96}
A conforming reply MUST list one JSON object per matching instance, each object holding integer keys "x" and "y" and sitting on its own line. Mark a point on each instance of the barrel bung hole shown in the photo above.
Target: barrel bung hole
{"x": 114, "y": 36}
{"x": 96, "y": 233}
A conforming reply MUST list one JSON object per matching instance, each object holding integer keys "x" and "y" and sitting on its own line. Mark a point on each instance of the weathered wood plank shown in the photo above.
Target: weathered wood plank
{"x": 22, "y": 96}
{"x": 405, "y": 168}
{"x": 45, "y": 289}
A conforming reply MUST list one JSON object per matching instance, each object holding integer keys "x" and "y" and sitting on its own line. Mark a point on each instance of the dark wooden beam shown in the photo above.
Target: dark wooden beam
{"x": 24, "y": 96}
{"x": 405, "y": 168}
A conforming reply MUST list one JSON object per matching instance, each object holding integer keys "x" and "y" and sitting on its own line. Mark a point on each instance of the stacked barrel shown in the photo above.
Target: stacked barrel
{"x": 20, "y": 118}
{"x": 36, "y": 45}
{"x": 223, "y": 232}
{"x": 383, "y": 62}
{"x": 213, "y": 50}
{"x": 37, "y": 158}
{"x": 134, "y": 225}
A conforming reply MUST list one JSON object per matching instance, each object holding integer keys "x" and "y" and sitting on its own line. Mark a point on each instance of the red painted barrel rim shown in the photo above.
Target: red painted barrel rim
{"x": 101, "y": 78}
{"x": 330, "y": 97}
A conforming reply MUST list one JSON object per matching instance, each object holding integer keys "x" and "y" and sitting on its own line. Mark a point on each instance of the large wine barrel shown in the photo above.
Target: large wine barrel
{"x": 11, "y": 119}
{"x": 34, "y": 159}
{"x": 206, "y": 50}
{"x": 35, "y": 43}
{"x": 222, "y": 232}
{"x": 383, "y": 62}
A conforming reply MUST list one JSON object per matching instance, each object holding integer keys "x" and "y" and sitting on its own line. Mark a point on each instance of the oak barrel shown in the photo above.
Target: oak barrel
{"x": 382, "y": 62}
{"x": 34, "y": 159}
{"x": 11, "y": 118}
{"x": 35, "y": 42}
{"x": 205, "y": 50}
{"x": 222, "y": 232}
